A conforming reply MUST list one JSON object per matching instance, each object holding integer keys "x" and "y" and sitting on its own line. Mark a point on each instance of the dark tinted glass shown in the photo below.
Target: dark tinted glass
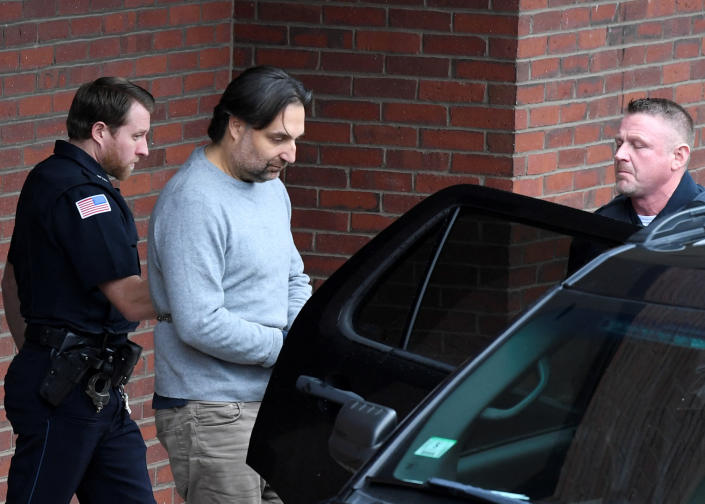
{"x": 457, "y": 288}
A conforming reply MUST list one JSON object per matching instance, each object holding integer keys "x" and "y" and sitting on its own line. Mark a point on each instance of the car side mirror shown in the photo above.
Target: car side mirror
{"x": 360, "y": 427}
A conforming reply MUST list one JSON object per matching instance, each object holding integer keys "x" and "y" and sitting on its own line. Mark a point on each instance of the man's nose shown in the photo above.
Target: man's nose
{"x": 289, "y": 155}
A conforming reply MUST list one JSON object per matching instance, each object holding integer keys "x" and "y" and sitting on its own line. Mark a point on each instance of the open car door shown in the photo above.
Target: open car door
{"x": 430, "y": 291}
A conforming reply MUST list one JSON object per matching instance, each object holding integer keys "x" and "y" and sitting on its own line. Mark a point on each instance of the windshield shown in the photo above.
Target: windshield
{"x": 593, "y": 400}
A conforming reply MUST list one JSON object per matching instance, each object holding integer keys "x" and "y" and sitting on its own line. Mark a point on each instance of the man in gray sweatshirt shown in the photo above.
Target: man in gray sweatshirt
{"x": 227, "y": 281}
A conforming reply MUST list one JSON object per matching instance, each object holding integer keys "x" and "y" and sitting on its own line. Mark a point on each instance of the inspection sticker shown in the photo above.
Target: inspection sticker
{"x": 435, "y": 447}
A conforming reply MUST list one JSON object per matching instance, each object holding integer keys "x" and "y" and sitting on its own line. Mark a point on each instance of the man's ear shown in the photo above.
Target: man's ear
{"x": 98, "y": 132}
{"x": 236, "y": 128}
{"x": 681, "y": 156}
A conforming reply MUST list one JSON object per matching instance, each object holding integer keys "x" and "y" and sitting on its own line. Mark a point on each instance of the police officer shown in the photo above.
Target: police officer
{"x": 72, "y": 291}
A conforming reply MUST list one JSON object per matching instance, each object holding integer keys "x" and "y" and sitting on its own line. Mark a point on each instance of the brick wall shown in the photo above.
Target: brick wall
{"x": 178, "y": 50}
{"x": 410, "y": 96}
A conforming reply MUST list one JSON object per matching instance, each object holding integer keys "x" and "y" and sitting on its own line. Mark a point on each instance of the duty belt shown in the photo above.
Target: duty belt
{"x": 56, "y": 337}
{"x": 105, "y": 359}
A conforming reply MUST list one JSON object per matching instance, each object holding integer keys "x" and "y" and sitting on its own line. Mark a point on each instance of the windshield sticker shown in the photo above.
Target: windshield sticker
{"x": 435, "y": 447}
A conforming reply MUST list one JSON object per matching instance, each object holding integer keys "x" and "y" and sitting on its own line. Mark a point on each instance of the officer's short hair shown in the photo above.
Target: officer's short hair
{"x": 107, "y": 99}
{"x": 255, "y": 97}
{"x": 674, "y": 114}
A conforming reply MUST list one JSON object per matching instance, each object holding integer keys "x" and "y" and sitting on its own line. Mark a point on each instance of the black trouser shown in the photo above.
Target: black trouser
{"x": 70, "y": 448}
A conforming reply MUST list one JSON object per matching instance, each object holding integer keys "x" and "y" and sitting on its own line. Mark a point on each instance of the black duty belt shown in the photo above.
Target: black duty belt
{"x": 55, "y": 337}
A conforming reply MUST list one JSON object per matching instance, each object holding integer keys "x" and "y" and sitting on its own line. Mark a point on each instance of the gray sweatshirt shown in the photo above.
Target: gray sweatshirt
{"x": 222, "y": 262}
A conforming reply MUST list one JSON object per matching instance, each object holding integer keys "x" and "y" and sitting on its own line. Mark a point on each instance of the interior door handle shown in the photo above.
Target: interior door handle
{"x": 316, "y": 387}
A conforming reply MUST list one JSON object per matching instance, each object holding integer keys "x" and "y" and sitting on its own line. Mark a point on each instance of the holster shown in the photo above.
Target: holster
{"x": 76, "y": 356}
{"x": 66, "y": 370}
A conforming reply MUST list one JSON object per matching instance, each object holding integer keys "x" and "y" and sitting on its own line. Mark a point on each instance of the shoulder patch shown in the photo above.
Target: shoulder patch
{"x": 93, "y": 205}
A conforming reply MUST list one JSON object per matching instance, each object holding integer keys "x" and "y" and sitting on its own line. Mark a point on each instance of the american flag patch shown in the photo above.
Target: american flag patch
{"x": 93, "y": 205}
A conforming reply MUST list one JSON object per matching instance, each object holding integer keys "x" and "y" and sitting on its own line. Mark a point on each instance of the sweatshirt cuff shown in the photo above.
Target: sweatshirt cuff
{"x": 277, "y": 342}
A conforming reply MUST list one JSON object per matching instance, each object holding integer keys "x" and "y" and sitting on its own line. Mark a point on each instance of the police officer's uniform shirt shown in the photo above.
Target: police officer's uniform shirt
{"x": 73, "y": 231}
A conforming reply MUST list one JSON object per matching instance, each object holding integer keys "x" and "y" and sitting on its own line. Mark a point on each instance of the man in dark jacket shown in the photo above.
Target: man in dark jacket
{"x": 653, "y": 148}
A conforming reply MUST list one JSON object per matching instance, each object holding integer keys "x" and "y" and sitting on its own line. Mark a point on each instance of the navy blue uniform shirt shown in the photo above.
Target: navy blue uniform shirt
{"x": 73, "y": 231}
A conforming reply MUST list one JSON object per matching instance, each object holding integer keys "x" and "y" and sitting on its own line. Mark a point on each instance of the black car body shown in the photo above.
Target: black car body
{"x": 574, "y": 388}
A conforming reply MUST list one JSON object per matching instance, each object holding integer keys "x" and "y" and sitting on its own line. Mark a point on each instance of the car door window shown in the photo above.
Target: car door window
{"x": 457, "y": 288}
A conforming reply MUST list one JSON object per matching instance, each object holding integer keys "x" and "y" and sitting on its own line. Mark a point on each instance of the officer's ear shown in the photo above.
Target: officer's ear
{"x": 98, "y": 132}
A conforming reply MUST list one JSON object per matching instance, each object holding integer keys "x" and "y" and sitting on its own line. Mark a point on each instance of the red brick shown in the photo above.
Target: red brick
{"x": 287, "y": 59}
{"x": 426, "y": 19}
{"x": 482, "y": 117}
{"x": 217, "y": 11}
{"x": 255, "y": 33}
{"x": 482, "y": 164}
{"x": 544, "y": 68}
{"x": 319, "y": 219}
{"x": 53, "y": 30}
{"x": 353, "y": 16}
{"x": 373, "y": 134}
{"x": 416, "y": 160}
{"x": 392, "y": 42}
{"x": 9, "y": 61}
{"x": 184, "y": 15}
{"x": 529, "y": 141}
{"x": 351, "y": 62}
{"x": 289, "y": 12}
{"x": 10, "y": 11}
{"x": 151, "y": 65}
{"x": 36, "y": 57}
{"x": 532, "y": 47}
{"x": 592, "y": 39}
{"x": 397, "y": 204}
{"x": 351, "y": 156}
{"x": 381, "y": 180}
{"x": 562, "y": 43}
{"x": 86, "y": 26}
{"x": 348, "y": 200}
{"x": 453, "y": 140}
{"x": 120, "y": 22}
{"x": 400, "y": 89}
{"x": 322, "y": 266}
{"x": 215, "y": 57}
{"x": 485, "y": 24}
{"x": 34, "y": 105}
{"x": 676, "y": 72}
{"x": 182, "y": 61}
{"x": 327, "y": 132}
{"x": 352, "y": 110}
{"x": 451, "y": 91}
{"x": 104, "y": 48}
{"x": 322, "y": 38}
{"x": 18, "y": 84}
{"x": 413, "y": 113}
{"x": 316, "y": 176}
{"x": 21, "y": 34}
{"x": 465, "y": 46}
{"x": 541, "y": 163}
{"x": 346, "y": 244}
{"x": 431, "y": 183}
{"x": 369, "y": 223}
{"x": 568, "y": 158}
{"x": 427, "y": 67}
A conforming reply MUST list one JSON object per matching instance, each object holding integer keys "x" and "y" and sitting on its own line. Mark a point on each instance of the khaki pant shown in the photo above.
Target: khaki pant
{"x": 207, "y": 446}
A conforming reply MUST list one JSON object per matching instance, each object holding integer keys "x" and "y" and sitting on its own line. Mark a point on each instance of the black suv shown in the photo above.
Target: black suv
{"x": 457, "y": 358}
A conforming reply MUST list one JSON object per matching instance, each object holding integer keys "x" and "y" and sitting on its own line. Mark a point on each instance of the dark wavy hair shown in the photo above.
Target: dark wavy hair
{"x": 677, "y": 116}
{"x": 107, "y": 99}
{"x": 256, "y": 96}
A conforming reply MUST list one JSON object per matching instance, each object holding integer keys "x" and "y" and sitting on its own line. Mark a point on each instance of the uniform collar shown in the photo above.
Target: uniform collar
{"x": 68, "y": 150}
